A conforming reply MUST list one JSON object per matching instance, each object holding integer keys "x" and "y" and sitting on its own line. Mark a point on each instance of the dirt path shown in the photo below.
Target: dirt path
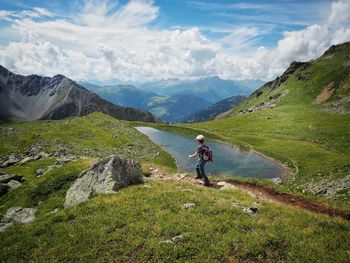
{"x": 258, "y": 191}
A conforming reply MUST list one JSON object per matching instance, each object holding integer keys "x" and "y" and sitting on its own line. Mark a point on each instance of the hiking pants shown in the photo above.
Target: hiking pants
{"x": 201, "y": 172}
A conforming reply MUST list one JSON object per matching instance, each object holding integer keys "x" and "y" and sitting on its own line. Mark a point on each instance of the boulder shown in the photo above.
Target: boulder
{"x": 13, "y": 184}
{"x": 188, "y": 205}
{"x": 41, "y": 155}
{"x": 5, "y": 178}
{"x": 107, "y": 176}
{"x": 10, "y": 161}
{"x": 40, "y": 171}
{"x": 251, "y": 210}
{"x": 4, "y": 226}
{"x": 25, "y": 160}
{"x": 19, "y": 215}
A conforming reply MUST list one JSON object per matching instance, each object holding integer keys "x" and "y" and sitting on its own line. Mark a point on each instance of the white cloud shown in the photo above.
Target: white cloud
{"x": 107, "y": 41}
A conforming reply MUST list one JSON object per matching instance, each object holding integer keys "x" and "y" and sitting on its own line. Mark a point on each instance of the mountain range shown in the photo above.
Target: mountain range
{"x": 214, "y": 110}
{"x": 174, "y": 100}
{"x": 212, "y": 89}
{"x": 34, "y": 97}
{"x": 168, "y": 108}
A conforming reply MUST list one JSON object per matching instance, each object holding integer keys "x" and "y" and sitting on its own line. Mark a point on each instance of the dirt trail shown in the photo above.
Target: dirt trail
{"x": 258, "y": 191}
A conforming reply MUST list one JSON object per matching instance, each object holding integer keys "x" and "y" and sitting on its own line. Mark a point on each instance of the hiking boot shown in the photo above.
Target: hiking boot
{"x": 198, "y": 177}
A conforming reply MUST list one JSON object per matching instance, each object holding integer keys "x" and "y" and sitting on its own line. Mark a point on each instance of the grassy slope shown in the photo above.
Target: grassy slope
{"x": 297, "y": 130}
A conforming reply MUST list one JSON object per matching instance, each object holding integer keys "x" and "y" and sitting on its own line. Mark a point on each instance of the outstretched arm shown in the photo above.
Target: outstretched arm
{"x": 193, "y": 155}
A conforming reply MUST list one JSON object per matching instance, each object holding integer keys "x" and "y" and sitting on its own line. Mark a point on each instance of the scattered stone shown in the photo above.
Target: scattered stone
{"x": 188, "y": 205}
{"x": 178, "y": 187}
{"x": 25, "y": 160}
{"x": 4, "y": 226}
{"x": 13, "y": 184}
{"x": 19, "y": 215}
{"x": 64, "y": 160}
{"x": 251, "y": 210}
{"x": 106, "y": 176}
{"x": 168, "y": 242}
{"x": 329, "y": 187}
{"x": 4, "y": 188}
{"x": 147, "y": 186}
{"x": 226, "y": 186}
{"x": 5, "y": 178}
{"x": 40, "y": 171}
{"x": 276, "y": 180}
{"x": 10, "y": 161}
{"x": 221, "y": 183}
{"x": 177, "y": 238}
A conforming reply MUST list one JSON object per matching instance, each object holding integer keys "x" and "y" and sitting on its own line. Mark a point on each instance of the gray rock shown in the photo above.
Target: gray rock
{"x": 251, "y": 210}
{"x": 4, "y": 226}
{"x": 188, "y": 205}
{"x": 177, "y": 238}
{"x": 107, "y": 176}
{"x": 14, "y": 184}
{"x": 40, "y": 171}
{"x": 41, "y": 155}
{"x": 168, "y": 242}
{"x": 25, "y": 160}
{"x": 276, "y": 180}
{"x": 4, "y": 188}
{"x": 19, "y": 215}
{"x": 5, "y": 178}
{"x": 10, "y": 161}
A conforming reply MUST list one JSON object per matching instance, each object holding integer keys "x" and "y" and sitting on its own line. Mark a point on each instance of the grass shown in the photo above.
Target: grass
{"x": 131, "y": 225}
{"x": 95, "y": 135}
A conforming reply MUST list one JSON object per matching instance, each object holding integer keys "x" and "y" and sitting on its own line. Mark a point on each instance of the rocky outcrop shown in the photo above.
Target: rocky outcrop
{"x": 34, "y": 97}
{"x": 107, "y": 176}
{"x": 9, "y": 182}
{"x": 17, "y": 215}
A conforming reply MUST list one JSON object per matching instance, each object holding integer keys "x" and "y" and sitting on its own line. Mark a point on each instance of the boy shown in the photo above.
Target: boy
{"x": 201, "y": 162}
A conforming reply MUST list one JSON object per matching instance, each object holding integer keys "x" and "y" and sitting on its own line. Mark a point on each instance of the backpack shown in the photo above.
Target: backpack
{"x": 207, "y": 154}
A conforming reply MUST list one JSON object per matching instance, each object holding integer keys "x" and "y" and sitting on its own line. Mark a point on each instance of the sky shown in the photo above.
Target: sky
{"x": 145, "y": 40}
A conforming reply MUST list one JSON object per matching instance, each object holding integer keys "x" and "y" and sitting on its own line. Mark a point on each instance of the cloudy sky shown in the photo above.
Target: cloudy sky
{"x": 142, "y": 40}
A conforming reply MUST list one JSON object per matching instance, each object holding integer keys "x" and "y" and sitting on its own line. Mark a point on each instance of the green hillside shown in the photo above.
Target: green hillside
{"x": 301, "y": 118}
{"x": 147, "y": 222}
{"x": 136, "y": 223}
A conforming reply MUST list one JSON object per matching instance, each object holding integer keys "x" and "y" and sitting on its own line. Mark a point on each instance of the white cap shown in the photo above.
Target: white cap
{"x": 200, "y": 137}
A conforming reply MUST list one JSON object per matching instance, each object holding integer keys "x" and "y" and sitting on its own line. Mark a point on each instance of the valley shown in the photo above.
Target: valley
{"x": 300, "y": 120}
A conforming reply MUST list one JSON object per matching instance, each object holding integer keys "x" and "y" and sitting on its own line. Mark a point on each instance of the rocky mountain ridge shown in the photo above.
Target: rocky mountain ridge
{"x": 34, "y": 97}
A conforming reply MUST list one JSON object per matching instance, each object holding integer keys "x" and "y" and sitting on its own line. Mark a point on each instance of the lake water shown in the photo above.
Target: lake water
{"x": 228, "y": 160}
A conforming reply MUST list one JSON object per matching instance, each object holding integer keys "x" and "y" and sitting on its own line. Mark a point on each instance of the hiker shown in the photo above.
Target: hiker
{"x": 204, "y": 155}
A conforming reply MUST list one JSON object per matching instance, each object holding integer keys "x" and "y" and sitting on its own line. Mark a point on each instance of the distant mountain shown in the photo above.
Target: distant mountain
{"x": 212, "y": 89}
{"x": 214, "y": 110}
{"x": 34, "y": 97}
{"x": 168, "y": 108}
{"x": 175, "y": 108}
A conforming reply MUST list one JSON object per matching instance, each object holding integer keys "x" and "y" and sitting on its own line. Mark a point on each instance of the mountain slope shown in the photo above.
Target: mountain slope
{"x": 323, "y": 83}
{"x": 302, "y": 119}
{"x": 214, "y": 110}
{"x": 176, "y": 107}
{"x": 34, "y": 97}
{"x": 212, "y": 89}
{"x": 168, "y": 108}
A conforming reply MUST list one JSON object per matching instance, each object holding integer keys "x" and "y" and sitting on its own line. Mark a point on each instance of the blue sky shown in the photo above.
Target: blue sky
{"x": 142, "y": 40}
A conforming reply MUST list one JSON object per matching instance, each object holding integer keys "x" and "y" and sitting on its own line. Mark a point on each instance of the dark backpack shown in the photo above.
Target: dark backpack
{"x": 207, "y": 153}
